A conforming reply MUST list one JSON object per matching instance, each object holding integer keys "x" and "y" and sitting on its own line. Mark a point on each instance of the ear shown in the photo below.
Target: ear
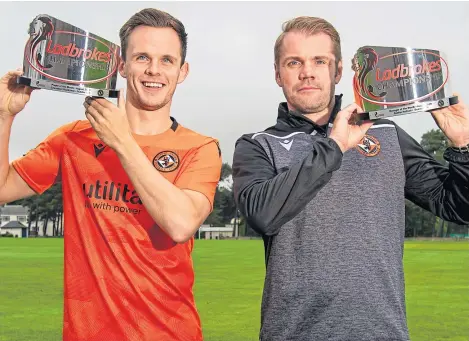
{"x": 338, "y": 73}
{"x": 183, "y": 73}
{"x": 122, "y": 68}
{"x": 278, "y": 79}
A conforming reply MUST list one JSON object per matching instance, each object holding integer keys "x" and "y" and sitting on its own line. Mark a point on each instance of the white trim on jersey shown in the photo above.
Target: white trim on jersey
{"x": 278, "y": 137}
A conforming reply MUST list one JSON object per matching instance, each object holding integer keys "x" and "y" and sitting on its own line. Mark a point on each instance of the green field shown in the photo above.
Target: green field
{"x": 229, "y": 279}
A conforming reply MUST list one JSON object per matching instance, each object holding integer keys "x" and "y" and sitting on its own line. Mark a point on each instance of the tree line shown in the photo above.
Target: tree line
{"x": 44, "y": 209}
{"x": 419, "y": 222}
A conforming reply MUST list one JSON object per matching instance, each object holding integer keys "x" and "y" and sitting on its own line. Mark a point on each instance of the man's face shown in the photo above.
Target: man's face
{"x": 307, "y": 71}
{"x": 152, "y": 67}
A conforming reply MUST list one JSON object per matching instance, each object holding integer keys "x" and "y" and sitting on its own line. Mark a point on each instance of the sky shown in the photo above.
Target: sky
{"x": 231, "y": 88}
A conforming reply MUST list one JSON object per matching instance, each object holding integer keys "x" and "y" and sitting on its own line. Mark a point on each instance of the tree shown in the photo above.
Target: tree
{"x": 435, "y": 143}
{"x": 224, "y": 203}
{"x": 46, "y": 207}
{"x": 411, "y": 219}
{"x": 226, "y": 171}
{"x": 418, "y": 220}
{"x": 214, "y": 219}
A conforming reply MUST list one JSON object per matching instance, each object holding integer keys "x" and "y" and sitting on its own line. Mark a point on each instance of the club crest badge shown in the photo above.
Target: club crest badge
{"x": 369, "y": 146}
{"x": 166, "y": 161}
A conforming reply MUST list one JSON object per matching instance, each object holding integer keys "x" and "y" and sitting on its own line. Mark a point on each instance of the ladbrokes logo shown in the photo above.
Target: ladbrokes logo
{"x": 374, "y": 79}
{"x": 112, "y": 193}
{"x": 71, "y": 50}
{"x": 402, "y": 71}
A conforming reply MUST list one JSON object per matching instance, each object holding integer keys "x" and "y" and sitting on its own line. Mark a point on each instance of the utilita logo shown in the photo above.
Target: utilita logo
{"x": 402, "y": 71}
{"x": 111, "y": 191}
{"x": 71, "y": 50}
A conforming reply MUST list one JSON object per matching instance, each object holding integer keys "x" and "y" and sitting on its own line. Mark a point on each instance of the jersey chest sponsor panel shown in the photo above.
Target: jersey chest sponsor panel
{"x": 117, "y": 259}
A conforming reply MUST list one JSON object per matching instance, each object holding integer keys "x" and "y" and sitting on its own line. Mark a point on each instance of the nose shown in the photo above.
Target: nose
{"x": 153, "y": 68}
{"x": 308, "y": 70}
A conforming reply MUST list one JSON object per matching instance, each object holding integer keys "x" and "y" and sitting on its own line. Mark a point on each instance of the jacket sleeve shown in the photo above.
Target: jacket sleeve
{"x": 268, "y": 199}
{"x": 442, "y": 190}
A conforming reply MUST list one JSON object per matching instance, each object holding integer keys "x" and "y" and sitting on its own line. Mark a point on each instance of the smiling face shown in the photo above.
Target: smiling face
{"x": 307, "y": 71}
{"x": 152, "y": 67}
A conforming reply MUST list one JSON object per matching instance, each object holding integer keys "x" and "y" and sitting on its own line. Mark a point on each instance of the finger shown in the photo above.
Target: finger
{"x": 361, "y": 129}
{"x": 365, "y": 126}
{"x": 103, "y": 102}
{"x": 28, "y": 90}
{"x": 11, "y": 75}
{"x": 459, "y": 107}
{"x": 354, "y": 107}
{"x": 357, "y": 119}
{"x": 121, "y": 100}
{"x": 458, "y": 96}
{"x": 95, "y": 114}
{"x": 452, "y": 109}
{"x": 92, "y": 102}
{"x": 438, "y": 116}
{"x": 15, "y": 73}
{"x": 91, "y": 119}
{"x": 349, "y": 110}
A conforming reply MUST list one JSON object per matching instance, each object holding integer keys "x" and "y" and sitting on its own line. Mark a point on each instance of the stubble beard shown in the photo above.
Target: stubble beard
{"x": 314, "y": 106}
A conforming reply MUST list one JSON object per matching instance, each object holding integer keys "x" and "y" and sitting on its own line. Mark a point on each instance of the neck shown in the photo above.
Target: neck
{"x": 148, "y": 122}
{"x": 322, "y": 117}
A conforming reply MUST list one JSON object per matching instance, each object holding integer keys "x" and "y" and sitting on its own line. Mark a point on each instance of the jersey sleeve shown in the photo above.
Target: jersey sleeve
{"x": 40, "y": 167}
{"x": 202, "y": 171}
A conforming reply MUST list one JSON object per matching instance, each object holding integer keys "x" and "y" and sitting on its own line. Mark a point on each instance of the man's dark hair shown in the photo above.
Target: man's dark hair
{"x": 153, "y": 18}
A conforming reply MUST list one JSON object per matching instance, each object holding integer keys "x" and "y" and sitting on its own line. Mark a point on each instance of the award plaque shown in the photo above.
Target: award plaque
{"x": 61, "y": 57}
{"x": 392, "y": 81}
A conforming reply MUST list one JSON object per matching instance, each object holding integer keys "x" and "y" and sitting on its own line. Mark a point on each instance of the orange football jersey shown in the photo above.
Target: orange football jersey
{"x": 125, "y": 279}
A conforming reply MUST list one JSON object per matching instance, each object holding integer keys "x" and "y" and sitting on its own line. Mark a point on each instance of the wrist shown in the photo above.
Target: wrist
{"x": 126, "y": 146}
{"x": 339, "y": 144}
{"x": 6, "y": 117}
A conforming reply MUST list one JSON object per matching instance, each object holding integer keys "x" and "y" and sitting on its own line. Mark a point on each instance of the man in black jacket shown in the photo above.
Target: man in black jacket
{"x": 328, "y": 198}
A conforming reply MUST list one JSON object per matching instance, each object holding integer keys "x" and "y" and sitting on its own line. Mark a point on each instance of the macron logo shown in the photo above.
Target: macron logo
{"x": 98, "y": 149}
{"x": 286, "y": 144}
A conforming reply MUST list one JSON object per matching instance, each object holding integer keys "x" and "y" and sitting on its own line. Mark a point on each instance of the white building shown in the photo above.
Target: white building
{"x": 214, "y": 232}
{"x": 15, "y": 228}
{"x": 14, "y": 218}
{"x": 14, "y": 213}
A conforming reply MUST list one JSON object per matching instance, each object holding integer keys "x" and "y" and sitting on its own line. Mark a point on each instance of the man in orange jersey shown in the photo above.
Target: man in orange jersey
{"x": 136, "y": 187}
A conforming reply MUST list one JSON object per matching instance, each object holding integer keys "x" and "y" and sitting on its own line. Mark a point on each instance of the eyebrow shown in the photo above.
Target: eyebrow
{"x": 323, "y": 57}
{"x": 139, "y": 54}
{"x": 170, "y": 57}
{"x": 315, "y": 57}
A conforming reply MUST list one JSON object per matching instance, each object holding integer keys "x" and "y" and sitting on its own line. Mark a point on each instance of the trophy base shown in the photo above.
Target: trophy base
{"x": 407, "y": 109}
{"x": 64, "y": 87}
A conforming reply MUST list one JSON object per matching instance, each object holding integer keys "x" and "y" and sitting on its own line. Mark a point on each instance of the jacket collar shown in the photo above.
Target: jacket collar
{"x": 289, "y": 120}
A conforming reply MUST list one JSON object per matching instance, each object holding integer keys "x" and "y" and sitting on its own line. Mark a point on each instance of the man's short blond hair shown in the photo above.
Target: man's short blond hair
{"x": 309, "y": 26}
